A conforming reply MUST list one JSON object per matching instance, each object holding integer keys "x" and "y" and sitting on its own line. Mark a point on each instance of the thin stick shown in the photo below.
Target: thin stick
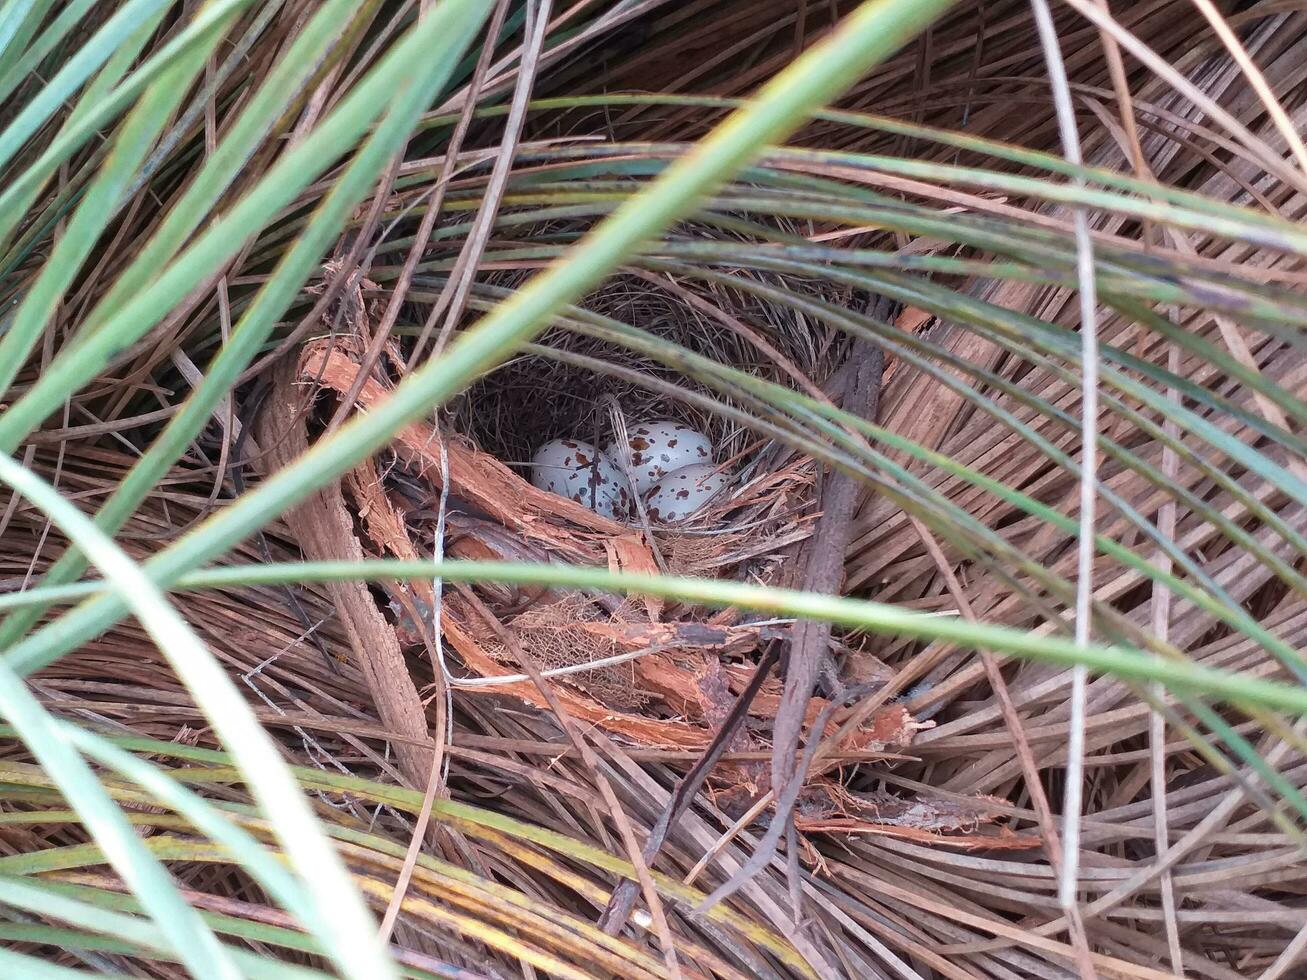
{"x": 434, "y": 782}
{"x": 1161, "y": 622}
{"x": 1029, "y": 769}
{"x": 1075, "y": 767}
{"x": 454, "y": 296}
{"x": 623, "y": 897}
{"x": 719, "y": 845}
{"x": 1290, "y": 955}
{"x": 399, "y": 291}
{"x": 623, "y": 440}
{"x": 808, "y": 658}
{"x": 1283, "y": 124}
{"x": 1257, "y": 148}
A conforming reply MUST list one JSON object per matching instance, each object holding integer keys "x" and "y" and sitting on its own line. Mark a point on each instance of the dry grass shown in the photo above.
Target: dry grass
{"x": 924, "y": 848}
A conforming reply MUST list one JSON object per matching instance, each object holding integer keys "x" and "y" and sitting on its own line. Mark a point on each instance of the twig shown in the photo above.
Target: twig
{"x": 1029, "y": 769}
{"x": 1161, "y": 624}
{"x": 623, "y": 440}
{"x": 623, "y": 898}
{"x": 809, "y": 656}
{"x": 399, "y": 291}
{"x": 454, "y": 296}
{"x": 434, "y": 783}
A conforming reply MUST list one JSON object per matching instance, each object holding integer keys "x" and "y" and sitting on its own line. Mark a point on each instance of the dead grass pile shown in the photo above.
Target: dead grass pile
{"x": 924, "y": 843}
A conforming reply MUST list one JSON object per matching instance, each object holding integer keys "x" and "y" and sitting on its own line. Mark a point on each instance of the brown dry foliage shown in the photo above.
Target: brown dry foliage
{"x": 924, "y": 851}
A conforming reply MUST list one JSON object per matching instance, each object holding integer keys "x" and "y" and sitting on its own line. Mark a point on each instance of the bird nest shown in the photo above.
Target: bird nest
{"x": 591, "y": 361}
{"x": 559, "y": 388}
{"x": 657, "y": 673}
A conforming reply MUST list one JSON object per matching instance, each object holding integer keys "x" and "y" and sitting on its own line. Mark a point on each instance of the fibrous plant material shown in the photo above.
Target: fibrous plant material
{"x": 213, "y": 215}
{"x": 554, "y": 635}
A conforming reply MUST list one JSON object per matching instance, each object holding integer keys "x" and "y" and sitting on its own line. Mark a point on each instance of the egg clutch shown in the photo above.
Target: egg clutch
{"x": 670, "y": 465}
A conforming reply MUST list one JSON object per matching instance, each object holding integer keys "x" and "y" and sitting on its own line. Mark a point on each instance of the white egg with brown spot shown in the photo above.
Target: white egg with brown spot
{"x": 654, "y": 449}
{"x": 572, "y": 468}
{"x": 683, "y": 493}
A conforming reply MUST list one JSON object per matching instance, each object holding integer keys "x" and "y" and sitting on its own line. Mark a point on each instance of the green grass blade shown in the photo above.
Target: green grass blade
{"x": 873, "y": 32}
{"x": 15, "y": 17}
{"x": 56, "y": 902}
{"x": 18, "y": 63}
{"x": 94, "y": 53}
{"x": 92, "y": 113}
{"x": 334, "y": 137}
{"x": 1127, "y": 663}
{"x": 251, "y": 855}
{"x": 280, "y": 90}
{"x": 351, "y": 935}
{"x": 133, "y": 143}
{"x": 185, "y": 934}
{"x": 15, "y": 964}
{"x": 958, "y": 139}
{"x": 271, "y": 302}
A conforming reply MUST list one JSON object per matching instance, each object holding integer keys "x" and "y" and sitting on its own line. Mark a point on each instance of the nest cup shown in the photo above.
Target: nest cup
{"x": 558, "y": 387}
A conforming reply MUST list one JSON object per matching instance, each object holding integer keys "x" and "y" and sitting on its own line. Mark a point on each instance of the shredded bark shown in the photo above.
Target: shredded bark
{"x": 324, "y": 529}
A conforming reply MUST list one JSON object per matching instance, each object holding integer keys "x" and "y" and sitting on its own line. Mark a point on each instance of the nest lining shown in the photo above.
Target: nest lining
{"x": 553, "y": 633}
{"x": 542, "y": 395}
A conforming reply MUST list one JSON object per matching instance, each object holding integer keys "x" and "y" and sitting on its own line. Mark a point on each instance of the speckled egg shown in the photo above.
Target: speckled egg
{"x": 657, "y": 448}
{"x": 684, "y": 492}
{"x": 566, "y": 467}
